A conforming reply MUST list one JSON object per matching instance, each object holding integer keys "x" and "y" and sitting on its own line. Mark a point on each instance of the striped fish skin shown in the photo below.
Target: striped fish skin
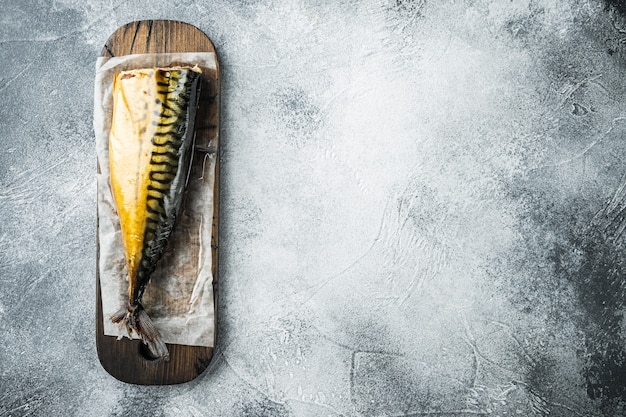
{"x": 150, "y": 152}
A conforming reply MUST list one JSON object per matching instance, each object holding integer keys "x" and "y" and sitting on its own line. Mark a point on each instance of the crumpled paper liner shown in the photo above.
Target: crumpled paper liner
{"x": 179, "y": 298}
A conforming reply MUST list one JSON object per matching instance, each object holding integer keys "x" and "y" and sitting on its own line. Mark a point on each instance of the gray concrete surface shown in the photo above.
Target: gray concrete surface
{"x": 422, "y": 209}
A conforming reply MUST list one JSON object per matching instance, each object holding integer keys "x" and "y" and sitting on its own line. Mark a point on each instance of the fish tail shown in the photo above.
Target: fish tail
{"x": 137, "y": 321}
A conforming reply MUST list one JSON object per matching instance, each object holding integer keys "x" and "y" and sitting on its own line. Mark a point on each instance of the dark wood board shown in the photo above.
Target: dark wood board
{"x": 125, "y": 359}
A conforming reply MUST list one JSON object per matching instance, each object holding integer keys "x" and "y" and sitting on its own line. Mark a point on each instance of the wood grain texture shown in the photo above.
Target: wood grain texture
{"x": 126, "y": 359}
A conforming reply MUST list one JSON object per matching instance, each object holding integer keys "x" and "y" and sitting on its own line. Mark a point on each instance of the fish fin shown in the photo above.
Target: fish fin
{"x": 119, "y": 315}
{"x": 137, "y": 321}
{"x": 151, "y": 336}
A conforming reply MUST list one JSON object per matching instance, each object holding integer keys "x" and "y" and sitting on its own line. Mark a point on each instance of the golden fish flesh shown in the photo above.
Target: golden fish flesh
{"x": 150, "y": 151}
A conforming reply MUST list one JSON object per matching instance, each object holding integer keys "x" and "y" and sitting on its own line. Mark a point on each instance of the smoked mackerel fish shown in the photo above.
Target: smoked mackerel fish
{"x": 150, "y": 151}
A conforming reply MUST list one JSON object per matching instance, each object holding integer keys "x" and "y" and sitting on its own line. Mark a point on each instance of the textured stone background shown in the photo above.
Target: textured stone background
{"x": 423, "y": 207}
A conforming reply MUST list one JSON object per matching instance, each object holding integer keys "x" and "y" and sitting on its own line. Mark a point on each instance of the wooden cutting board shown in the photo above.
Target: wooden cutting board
{"x": 126, "y": 359}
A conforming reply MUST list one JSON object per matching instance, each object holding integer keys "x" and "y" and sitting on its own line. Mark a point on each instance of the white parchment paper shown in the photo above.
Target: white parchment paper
{"x": 179, "y": 297}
